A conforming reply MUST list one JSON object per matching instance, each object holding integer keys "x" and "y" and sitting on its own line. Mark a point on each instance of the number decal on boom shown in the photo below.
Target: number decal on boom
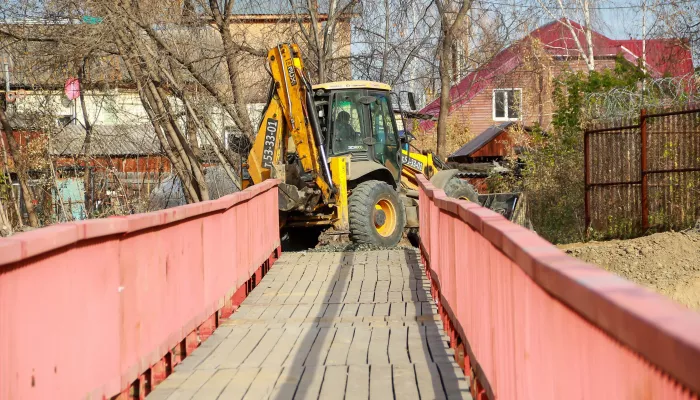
{"x": 271, "y": 126}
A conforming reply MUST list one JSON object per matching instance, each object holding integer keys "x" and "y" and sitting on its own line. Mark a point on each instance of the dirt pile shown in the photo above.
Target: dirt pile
{"x": 668, "y": 262}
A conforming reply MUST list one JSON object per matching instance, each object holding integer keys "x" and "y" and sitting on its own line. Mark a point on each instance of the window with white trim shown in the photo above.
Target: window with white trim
{"x": 507, "y": 104}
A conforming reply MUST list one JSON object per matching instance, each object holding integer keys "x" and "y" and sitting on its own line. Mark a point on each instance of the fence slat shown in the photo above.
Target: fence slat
{"x": 644, "y": 176}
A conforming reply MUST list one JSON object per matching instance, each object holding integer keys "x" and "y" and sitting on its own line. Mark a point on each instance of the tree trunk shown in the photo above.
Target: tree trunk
{"x": 320, "y": 58}
{"x": 5, "y": 225}
{"x": 450, "y": 26}
{"x": 162, "y": 124}
{"x": 85, "y": 157}
{"x": 192, "y": 136}
{"x": 15, "y": 202}
{"x": 444, "y": 71}
{"x": 22, "y": 175}
{"x": 242, "y": 119}
{"x": 194, "y": 166}
{"x": 589, "y": 35}
{"x": 385, "y": 53}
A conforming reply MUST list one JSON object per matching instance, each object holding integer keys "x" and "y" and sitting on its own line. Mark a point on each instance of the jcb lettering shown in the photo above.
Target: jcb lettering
{"x": 292, "y": 75}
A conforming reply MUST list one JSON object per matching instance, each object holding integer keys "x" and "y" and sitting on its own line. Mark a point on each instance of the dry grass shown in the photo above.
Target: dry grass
{"x": 457, "y": 136}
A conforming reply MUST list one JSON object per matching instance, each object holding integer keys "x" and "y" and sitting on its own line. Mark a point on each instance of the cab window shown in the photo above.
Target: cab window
{"x": 346, "y": 132}
{"x": 386, "y": 148}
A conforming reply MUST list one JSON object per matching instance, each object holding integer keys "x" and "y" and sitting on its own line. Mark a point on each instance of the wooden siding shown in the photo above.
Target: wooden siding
{"x": 497, "y": 147}
{"x": 537, "y": 108}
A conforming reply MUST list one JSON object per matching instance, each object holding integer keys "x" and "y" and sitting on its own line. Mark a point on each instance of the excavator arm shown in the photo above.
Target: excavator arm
{"x": 290, "y": 127}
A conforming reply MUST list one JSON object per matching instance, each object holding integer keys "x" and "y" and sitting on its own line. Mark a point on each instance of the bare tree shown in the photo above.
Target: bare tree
{"x": 677, "y": 20}
{"x": 88, "y": 138}
{"x": 394, "y": 42}
{"x": 222, "y": 19}
{"x": 563, "y": 11}
{"x": 319, "y": 31}
{"x": 452, "y": 16}
{"x": 21, "y": 168}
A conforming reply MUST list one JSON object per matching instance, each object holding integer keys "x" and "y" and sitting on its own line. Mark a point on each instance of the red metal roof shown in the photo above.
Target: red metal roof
{"x": 667, "y": 56}
{"x": 664, "y": 57}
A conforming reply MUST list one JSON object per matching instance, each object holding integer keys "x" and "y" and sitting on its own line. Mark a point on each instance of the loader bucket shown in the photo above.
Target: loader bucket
{"x": 507, "y": 204}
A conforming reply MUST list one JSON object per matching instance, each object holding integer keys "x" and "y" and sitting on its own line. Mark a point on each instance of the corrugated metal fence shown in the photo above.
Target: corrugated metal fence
{"x": 643, "y": 174}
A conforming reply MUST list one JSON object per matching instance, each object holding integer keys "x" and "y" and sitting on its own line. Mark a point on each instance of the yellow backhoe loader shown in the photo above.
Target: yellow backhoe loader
{"x": 336, "y": 149}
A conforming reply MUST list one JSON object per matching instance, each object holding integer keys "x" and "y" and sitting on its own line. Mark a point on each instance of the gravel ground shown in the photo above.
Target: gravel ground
{"x": 668, "y": 262}
{"x": 354, "y": 247}
{"x": 317, "y": 241}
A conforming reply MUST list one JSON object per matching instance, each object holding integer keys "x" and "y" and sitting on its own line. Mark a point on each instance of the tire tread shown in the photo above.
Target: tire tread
{"x": 362, "y": 229}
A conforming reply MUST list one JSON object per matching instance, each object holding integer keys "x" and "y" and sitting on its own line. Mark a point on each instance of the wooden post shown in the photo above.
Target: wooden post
{"x": 643, "y": 168}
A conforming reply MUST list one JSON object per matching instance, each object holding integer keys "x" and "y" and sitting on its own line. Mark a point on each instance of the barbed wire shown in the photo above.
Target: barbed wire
{"x": 652, "y": 94}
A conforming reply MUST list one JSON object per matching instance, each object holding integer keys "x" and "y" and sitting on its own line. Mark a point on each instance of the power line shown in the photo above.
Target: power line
{"x": 591, "y": 8}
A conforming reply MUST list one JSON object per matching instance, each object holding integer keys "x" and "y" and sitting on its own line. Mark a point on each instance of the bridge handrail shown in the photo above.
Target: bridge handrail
{"x": 537, "y": 323}
{"x": 86, "y": 307}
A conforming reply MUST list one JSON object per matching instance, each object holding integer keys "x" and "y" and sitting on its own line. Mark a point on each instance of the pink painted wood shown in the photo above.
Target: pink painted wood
{"x": 539, "y": 324}
{"x": 87, "y": 307}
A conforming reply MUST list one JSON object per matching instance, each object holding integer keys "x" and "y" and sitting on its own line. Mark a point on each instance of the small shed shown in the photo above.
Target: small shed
{"x": 122, "y": 148}
{"x": 493, "y": 144}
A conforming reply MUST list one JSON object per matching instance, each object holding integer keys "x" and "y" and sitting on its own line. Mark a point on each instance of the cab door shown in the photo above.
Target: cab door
{"x": 386, "y": 140}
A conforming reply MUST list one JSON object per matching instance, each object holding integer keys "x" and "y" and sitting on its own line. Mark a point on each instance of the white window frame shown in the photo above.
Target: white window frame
{"x": 493, "y": 104}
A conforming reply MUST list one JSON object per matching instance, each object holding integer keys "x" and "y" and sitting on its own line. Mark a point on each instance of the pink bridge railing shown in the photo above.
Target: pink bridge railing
{"x": 530, "y": 322}
{"x": 105, "y": 308}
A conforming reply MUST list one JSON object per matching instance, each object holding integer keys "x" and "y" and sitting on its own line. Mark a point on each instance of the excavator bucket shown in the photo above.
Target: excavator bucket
{"x": 289, "y": 197}
{"x": 511, "y": 205}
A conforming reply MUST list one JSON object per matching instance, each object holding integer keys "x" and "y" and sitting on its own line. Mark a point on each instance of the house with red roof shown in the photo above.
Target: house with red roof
{"x": 516, "y": 85}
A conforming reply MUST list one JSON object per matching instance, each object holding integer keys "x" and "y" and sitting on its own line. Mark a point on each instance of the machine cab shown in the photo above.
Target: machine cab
{"x": 357, "y": 118}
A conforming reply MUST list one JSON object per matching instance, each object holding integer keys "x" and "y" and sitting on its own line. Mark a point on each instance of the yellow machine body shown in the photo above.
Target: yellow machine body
{"x": 282, "y": 123}
{"x": 336, "y": 149}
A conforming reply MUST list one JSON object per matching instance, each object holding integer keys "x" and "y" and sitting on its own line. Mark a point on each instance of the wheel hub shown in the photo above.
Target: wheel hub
{"x": 384, "y": 217}
{"x": 379, "y": 217}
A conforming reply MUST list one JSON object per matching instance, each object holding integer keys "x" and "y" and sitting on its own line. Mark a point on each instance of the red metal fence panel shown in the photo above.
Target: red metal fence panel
{"x": 91, "y": 308}
{"x": 534, "y": 323}
{"x": 643, "y": 174}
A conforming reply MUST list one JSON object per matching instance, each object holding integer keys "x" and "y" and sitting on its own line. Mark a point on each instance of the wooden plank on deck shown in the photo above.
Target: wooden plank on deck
{"x": 328, "y": 325}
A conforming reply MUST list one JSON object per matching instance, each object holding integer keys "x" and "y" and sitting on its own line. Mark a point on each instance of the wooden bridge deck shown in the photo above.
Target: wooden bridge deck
{"x": 353, "y": 325}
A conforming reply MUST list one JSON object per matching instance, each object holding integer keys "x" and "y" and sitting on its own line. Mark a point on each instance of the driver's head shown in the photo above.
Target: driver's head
{"x": 343, "y": 117}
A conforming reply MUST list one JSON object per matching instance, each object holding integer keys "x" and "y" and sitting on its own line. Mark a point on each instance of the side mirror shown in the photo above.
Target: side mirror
{"x": 412, "y": 101}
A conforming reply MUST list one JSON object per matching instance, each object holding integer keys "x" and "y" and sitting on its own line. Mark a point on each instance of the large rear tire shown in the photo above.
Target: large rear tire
{"x": 461, "y": 189}
{"x": 376, "y": 213}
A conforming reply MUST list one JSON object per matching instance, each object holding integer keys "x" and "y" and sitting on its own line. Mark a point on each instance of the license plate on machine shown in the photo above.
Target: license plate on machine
{"x": 412, "y": 163}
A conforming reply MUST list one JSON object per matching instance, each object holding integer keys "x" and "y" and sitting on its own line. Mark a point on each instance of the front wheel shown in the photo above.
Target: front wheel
{"x": 376, "y": 214}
